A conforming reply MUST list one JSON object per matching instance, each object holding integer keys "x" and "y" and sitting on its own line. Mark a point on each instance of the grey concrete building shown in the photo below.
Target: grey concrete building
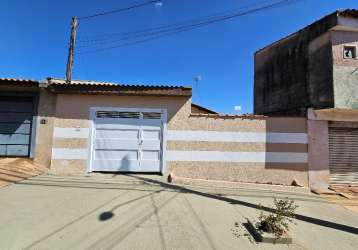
{"x": 315, "y": 67}
{"x": 313, "y": 73}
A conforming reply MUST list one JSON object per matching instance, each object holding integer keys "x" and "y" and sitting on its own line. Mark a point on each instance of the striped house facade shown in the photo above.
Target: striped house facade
{"x": 263, "y": 150}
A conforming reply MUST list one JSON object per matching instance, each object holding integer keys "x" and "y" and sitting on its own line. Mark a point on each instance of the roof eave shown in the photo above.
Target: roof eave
{"x": 120, "y": 90}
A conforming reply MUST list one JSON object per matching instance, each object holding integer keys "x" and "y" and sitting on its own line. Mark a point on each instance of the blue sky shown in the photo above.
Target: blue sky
{"x": 35, "y": 34}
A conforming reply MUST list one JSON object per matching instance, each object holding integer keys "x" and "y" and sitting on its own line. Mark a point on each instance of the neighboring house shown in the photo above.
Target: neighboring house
{"x": 313, "y": 73}
{"x": 316, "y": 67}
{"x": 88, "y": 126}
{"x": 197, "y": 109}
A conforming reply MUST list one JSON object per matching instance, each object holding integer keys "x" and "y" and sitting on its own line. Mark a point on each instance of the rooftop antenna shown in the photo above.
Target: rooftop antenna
{"x": 197, "y": 79}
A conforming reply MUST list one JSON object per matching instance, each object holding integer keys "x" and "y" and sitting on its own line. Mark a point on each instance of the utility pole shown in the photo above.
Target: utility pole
{"x": 71, "y": 50}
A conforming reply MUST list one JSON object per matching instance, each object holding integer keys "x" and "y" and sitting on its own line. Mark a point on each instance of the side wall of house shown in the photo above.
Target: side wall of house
{"x": 320, "y": 72}
{"x": 280, "y": 77}
{"x": 295, "y": 73}
{"x": 267, "y": 150}
{"x": 345, "y": 71}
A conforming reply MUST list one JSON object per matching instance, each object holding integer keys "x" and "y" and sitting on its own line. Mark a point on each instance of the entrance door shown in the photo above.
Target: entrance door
{"x": 127, "y": 140}
{"x": 343, "y": 156}
{"x": 16, "y": 115}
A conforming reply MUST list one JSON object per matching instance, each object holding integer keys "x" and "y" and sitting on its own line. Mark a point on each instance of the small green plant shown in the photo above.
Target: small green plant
{"x": 277, "y": 222}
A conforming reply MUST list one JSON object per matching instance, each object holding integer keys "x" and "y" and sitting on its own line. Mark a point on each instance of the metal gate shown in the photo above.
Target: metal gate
{"x": 129, "y": 141}
{"x": 343, "y": 156}
{"x": 16, "y": 114}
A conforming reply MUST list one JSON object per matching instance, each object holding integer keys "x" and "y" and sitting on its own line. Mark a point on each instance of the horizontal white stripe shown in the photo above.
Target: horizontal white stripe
{"x": 70, "y": 154}
{"x": 217, "y": 156}
{"x": 182, "y": 135}
{"x": 70, "y": 132}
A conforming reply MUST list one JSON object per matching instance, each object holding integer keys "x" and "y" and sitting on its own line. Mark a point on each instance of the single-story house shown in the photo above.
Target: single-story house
{"x": 88, "y": 126}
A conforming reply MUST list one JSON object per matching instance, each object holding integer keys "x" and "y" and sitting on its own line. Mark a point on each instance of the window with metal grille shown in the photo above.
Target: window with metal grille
{"x": 117, "y": 114}
{"x": 151, "y": 115}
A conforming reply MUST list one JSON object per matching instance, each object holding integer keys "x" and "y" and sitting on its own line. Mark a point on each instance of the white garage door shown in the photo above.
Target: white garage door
{"x": 126, "y": 140}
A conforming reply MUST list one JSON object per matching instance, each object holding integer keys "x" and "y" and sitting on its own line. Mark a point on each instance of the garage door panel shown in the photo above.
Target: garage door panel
{"x": 2, "y": 150}
{"x": 116, "y": 144}
{"x": 150, "y": 145}
{"x": 9, "y": 106}
{"x": 118, "y": 134}
{"x": 115, "y": 165}
{"x": 150, "y": 155}
{"x": 7, "y": 128}
{"x": 17, "y": 150}
{"x": 150, "y": 165}
{"x": 127, "y": 141}
{"x": 151, "y": 134}
{"x": 116, "y": 154}
{"x": 113, "y": 121}
{"x": 16, "y": 117}
{"x": 151, "y": 124}
{"x": 14, "y": 139}
{"x": 106, "y": 126}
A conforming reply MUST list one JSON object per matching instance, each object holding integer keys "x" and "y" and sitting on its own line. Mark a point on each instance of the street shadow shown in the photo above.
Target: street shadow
{"x": 117, "y": 235}
{"x": 106, "y": 216}
{"x": 110, "y": 214}
{"x": 320, "y": 222}
{"x": 145, "y": 187}
{"x": 102, "y": 217}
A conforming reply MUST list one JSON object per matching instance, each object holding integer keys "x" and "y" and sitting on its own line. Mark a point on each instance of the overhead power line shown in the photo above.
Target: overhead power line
{"x": 109, "y": 36}
{"x": 159, "y": 32}
{"x": 119, "y": 10}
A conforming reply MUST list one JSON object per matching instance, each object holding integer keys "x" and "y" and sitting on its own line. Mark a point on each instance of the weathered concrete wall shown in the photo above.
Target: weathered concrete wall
{"x": 280, "y": 78}
{"x": 320, "y": 72}
{"x": 294, "y": 73}
{"x": 345, "y": 71}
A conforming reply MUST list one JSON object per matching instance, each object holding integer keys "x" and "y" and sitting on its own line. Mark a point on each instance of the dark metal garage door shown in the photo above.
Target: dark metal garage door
{"x": 343, "y": 156}
{"x": 15, "y": 125}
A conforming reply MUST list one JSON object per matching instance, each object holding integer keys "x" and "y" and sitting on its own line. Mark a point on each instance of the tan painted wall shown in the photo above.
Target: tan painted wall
{"x": 318, "y": 153}
{"x": 74, "y": 109}
{"x": 44, "y": 132}
{"x": 241, "y": 172}
{"x": 276, "y": 173}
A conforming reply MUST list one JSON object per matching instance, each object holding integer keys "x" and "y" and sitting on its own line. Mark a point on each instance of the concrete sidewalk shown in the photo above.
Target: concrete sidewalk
{"x": 17, "y": 169}
{"x": 144, "y": 212}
